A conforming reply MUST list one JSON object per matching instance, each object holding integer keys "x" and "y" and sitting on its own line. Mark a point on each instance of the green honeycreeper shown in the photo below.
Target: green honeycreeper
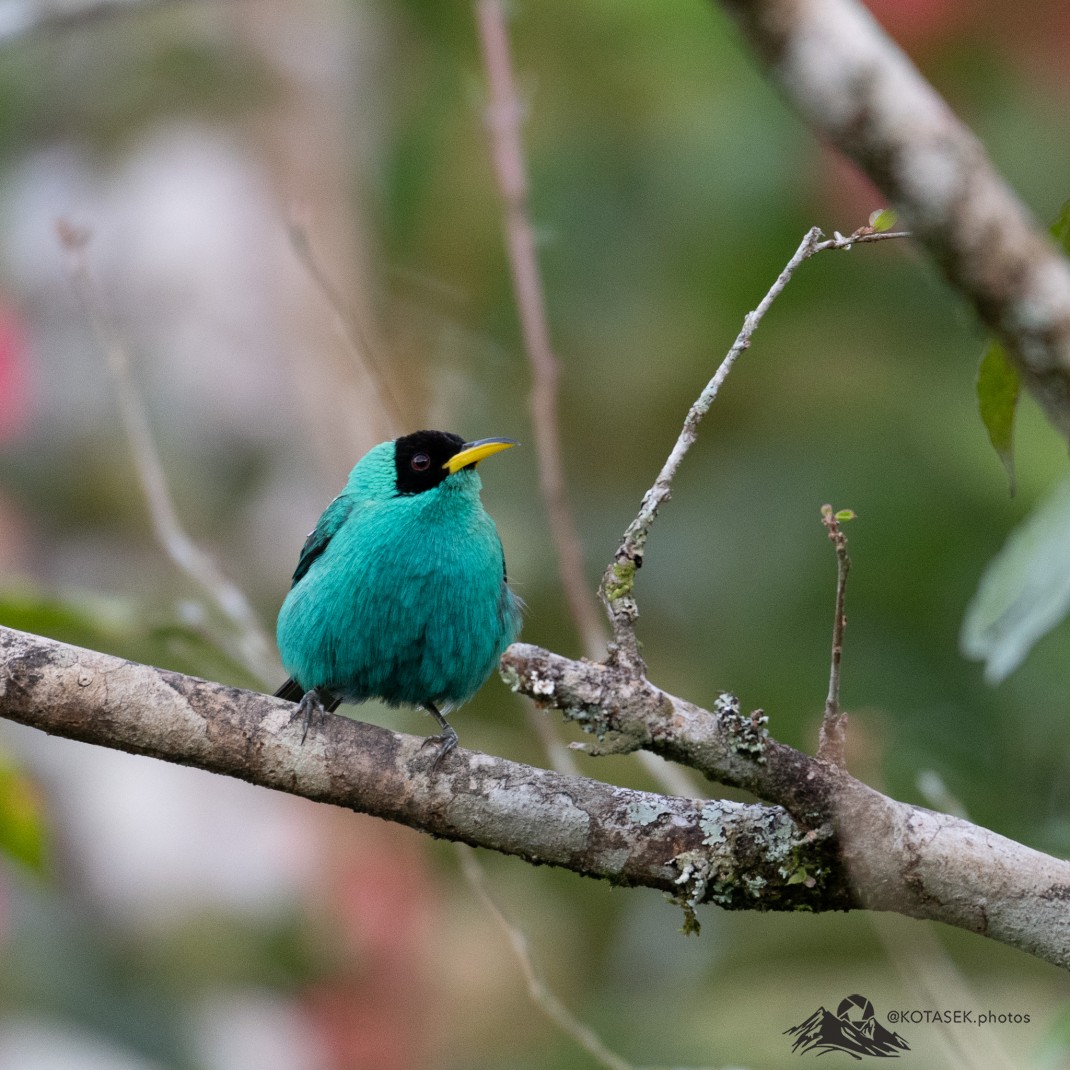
{"x": 401, "y": 592}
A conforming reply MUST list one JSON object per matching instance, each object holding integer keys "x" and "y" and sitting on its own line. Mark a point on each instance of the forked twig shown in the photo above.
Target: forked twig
{"x": 503, "y": 123}
{"x": 618, "y": 580}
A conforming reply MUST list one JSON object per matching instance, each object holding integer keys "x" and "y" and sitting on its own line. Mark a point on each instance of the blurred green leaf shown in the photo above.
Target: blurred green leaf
{"x": 1025, "y": 590}
{"x": 23, "y": 830}
{"x": 1060, "y": 229}
{"x": 998, "y": 386}
{"x": 1054, "y": 1049}
{"x": 127, "y": 629}
{"x": 87, "y": 620}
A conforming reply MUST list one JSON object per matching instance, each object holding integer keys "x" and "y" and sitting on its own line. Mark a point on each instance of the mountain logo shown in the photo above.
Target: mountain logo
{"x": 853, "y": 1029}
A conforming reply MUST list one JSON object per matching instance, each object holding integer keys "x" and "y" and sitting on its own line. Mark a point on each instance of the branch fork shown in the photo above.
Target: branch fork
{"x": 870, "y": 850}
{"x": 819, "y": 840}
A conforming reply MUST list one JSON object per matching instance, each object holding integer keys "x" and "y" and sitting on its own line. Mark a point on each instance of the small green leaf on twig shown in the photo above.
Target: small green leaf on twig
{"x": 845, "y": 514}
{"x": 998, "y": 386}
{"x": 882, "y": 219}
{"x": 998, "y": 380}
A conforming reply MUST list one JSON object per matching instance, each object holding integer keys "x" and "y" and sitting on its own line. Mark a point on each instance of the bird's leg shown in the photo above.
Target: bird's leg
{"x": 446, "y": 741}
{"x": 312, "y": 702}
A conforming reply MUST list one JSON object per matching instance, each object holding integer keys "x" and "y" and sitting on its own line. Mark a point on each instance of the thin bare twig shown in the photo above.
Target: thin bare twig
{"x": 833, "y": 738}
{"x": 349, "y": 326}
{"x": 617, "y": 583}
{"x": 538, "y": 990}
{"x": 540, "y": 993}
{"x": 503, "y": 124}
{"x": 255, "y": 651}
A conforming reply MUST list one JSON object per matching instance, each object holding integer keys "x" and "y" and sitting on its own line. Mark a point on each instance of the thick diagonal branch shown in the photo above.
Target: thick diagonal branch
{"x": 740, "y": 856}
{"x": 857, "y": 88}
{"x": 829, "y": 843}
{"x": 898, "y": 857}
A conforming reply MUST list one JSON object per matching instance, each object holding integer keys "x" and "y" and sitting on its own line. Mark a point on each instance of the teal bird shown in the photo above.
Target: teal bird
{"x": 401, "y": 592}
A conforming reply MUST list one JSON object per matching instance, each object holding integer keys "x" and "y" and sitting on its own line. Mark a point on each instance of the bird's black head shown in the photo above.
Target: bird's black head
{"x": 421, "y": 459}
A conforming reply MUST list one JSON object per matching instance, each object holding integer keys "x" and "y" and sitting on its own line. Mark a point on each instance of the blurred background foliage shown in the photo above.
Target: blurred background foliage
{"x": 158, "y": 917}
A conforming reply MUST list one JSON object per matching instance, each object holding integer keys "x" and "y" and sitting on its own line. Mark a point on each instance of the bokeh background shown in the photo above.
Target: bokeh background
{"x": 157, "y": 917}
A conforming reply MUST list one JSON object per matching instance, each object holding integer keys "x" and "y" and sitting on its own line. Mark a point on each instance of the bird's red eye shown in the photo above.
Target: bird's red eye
{"x": 420, "y": 462}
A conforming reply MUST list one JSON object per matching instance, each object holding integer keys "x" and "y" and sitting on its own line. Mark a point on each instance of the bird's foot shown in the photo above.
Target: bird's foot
{"x": 311, "y": 704}
{"x": 446, "y": 741}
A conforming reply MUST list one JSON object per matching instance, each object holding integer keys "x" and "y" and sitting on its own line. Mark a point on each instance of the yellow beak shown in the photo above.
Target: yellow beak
{"x": 474, "y": 452}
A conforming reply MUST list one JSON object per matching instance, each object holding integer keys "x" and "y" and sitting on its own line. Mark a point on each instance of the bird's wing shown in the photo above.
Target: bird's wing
{"x": 334, "y": 516}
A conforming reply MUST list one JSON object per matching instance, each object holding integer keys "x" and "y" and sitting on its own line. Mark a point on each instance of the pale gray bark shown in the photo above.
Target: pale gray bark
{"x": 896, "y": 857}
{"x": 855, "y": 87}
{"x": 744, "y": 856}
{"x": 828, "y": 842}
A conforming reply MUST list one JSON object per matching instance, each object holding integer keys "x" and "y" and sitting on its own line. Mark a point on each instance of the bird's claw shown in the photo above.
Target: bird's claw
{"x": 446, "y": 742}
{"x": 311, "y": 704}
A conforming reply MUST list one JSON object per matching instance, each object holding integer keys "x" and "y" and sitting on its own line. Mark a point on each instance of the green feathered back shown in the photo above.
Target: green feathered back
{"x": 399, "y": 597}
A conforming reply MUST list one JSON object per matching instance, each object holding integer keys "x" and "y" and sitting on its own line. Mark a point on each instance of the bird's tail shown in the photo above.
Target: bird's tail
{"x": 292, "y": 691}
